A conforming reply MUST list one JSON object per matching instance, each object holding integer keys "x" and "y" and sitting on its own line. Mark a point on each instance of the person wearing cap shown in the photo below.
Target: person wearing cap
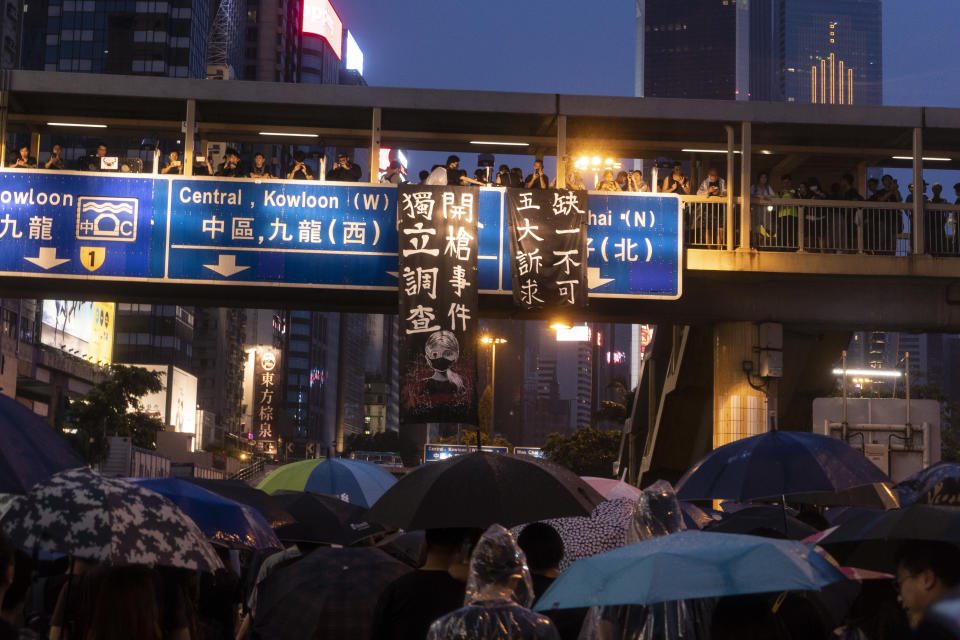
{"x": 345, "y": 170}
{"x": 393, "y": 175}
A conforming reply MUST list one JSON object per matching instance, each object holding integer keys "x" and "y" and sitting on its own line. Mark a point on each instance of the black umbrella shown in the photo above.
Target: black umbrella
{"x": 330, "y": 594}
{"x": 870, "y": 540}
{"x": 752, "y": 519}
{"x": 30, "y": 450}
{"x": 240, "y": 491}
{"x": 876, "y": 495}
{"x": 323, "y": 519}
{"x": 480, "y": 489}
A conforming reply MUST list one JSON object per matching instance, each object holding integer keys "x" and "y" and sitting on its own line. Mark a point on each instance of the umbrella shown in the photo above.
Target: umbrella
{"x": 30, "y": 450}
{"x": 924, "y": 481}
{"x": 329, "y": 594}
{"x": 222, "y": 520}
{"x": 870, "y": 540}
{"x": 750, "y": 519}
{"x": 946, "y": 491}
{"x": 240, "y": 491}
{"x": 482, "y": 488}
{"x": 354, "y": 481}
{"x": 323, "y": 519}
{"x": 777, "y": 463}
{"x": 876, "y": 495}
{"x": 695, "y": 517}
{"x": 687, "y": 565}
{"x": 82, "y": 513}
{"x": 611, "y": 489}
{"x": 605, "y": 529}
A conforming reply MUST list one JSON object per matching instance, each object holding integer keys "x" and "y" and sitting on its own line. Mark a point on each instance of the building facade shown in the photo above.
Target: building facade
{"x": 768, "y": 50}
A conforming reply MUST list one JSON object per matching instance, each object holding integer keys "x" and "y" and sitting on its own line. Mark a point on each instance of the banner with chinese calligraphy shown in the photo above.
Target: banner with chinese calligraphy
{"x": 437, "y": 274}
{"x": 267, "y": 393}
{"x": 548, "y": 247}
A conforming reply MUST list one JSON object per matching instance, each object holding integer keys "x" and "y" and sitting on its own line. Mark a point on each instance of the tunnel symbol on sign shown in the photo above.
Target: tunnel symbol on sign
{"x": 111, "y": 219}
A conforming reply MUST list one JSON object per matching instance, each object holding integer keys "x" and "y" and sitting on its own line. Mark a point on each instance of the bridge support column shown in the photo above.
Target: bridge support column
{"x": 562, "y": 152}
{"x": 188, "y": 137}
{"x": 746, "y": 146}
{"x": 375, "y": 145}
{"x": 729, "y": 240}
{"x": 4, "y": 109}
{"x": 740, "y": 408}
{"x": 916, "y": 225}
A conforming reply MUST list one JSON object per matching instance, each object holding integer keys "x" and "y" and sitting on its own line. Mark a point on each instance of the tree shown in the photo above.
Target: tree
{"x": 586, "y": 451}
{"x": 112, "y": 408}
{"x": 469, "y": 437}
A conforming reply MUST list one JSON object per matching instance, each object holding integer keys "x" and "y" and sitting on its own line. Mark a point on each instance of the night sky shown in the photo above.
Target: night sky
{"x": 567, "y": 46}
{"x": 577, "y": 47}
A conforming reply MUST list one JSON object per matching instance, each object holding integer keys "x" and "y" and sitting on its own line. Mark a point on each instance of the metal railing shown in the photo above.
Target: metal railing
{"x": 832, "y": 226}
{"x": 250, "y": 471}
{"x": 941, "y": 224}
{"x": 705, "y": 222}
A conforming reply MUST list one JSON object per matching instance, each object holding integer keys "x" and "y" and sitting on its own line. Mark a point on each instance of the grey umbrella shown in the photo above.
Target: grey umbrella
{"x": 81, "y": 513}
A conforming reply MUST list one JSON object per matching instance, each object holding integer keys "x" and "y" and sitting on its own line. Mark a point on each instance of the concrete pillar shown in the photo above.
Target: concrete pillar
{"x": 916, "y": 227}
{"x": 729, "y": 224}
{"x": 746, "y": 148}
{"x": 188, "y": 137}
{"x": 562, "y": 152}
{"x": 739, "y": 410}
{"x": 374, "y": 146}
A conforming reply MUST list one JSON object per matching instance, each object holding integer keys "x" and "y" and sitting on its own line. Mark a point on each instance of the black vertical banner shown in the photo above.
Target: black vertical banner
{"x": 437, "y": 227}
{"x": 548, "y": 247}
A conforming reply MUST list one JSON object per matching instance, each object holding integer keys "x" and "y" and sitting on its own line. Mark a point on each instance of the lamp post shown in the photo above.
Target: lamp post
{"x": 493, "y": 342}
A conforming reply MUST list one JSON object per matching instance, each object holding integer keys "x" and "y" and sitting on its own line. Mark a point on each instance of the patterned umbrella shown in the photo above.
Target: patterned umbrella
{"x": 84, "y": 514}
{"x": 605, "y": 529}
{"x": 354, "y": 481}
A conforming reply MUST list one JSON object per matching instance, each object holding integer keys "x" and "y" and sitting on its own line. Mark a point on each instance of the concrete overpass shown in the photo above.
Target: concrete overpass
{"x": 842, "y": 265}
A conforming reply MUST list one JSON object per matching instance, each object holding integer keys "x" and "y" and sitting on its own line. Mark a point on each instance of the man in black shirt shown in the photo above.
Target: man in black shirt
{"x": 543, "y": 547}
{"x": 538, "y": 179}
{"x": 300, "y": 170}
{"x": 260, "y": 168}
{"x": 230, "y": 167}
{"x": 344, "y": 170}
{"x": 410, "y": 603}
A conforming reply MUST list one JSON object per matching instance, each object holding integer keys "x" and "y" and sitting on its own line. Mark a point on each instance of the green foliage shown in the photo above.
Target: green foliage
{"x": 469, "y": 437}
{"x": 112, "y": 408}
{"x": 385, "y": 441}
{"x": 586, "y": 451}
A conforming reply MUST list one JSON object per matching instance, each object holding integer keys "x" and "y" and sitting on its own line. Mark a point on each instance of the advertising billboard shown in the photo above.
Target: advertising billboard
{"x": 84, "y": 329}
{"x": 354, "y": 54}
{"x": 267, "y": 390}
{"x": 176, "y": 404}
{"x": 320, "y": 19}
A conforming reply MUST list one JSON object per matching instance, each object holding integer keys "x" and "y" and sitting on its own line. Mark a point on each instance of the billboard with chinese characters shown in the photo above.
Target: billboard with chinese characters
{"x": 84, "y": 329}
{"x": 267, "y": 393}
{"x": 320, "y": 19}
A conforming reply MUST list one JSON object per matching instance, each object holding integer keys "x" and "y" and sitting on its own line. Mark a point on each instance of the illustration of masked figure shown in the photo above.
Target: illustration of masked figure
{"x": 442, "y": 351}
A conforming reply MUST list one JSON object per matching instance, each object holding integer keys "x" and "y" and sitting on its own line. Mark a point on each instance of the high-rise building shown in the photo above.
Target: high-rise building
{"x": 824, "y": 51}
{"x": 130, "y": 37}
{"x": 154, "y": 334}
{"x": 219, "y": 355}
{"x": 350, "y": 377}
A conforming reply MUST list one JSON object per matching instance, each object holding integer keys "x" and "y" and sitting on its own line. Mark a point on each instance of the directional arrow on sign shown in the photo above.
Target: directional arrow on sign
{"x": 594, "y": 280}
{"x": 47, "y": 258}
{"x": 226, "y": 266}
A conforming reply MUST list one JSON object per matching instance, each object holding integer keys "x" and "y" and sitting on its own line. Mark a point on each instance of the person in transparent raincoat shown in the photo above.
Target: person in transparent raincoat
{"x": 499, "y": 594}
{"x": 657, "y": 514}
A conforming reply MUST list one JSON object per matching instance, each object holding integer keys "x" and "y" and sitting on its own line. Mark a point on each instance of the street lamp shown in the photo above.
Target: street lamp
{"x": 493, "y": 341}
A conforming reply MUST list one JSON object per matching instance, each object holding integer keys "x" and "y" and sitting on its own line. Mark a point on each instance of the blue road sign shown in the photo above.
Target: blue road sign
{"x": 435, "y": 452}
{"x": 70, "y": 224}
{"x": 284, "y": 232}
{"x": 535, "y": 452}
{"x": 292, "y": 233}
{"x": 489, "y": 449}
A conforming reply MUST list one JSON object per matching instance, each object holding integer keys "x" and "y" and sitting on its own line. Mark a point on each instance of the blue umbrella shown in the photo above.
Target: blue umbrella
{"x": 220, "y": 519}
{"x": 925, "y": 481}
{"x": 30, "y": 450}
{"x": 355, "y": 481}
{"x": 688, "y": 565}
{"x": 777, "y": 463}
